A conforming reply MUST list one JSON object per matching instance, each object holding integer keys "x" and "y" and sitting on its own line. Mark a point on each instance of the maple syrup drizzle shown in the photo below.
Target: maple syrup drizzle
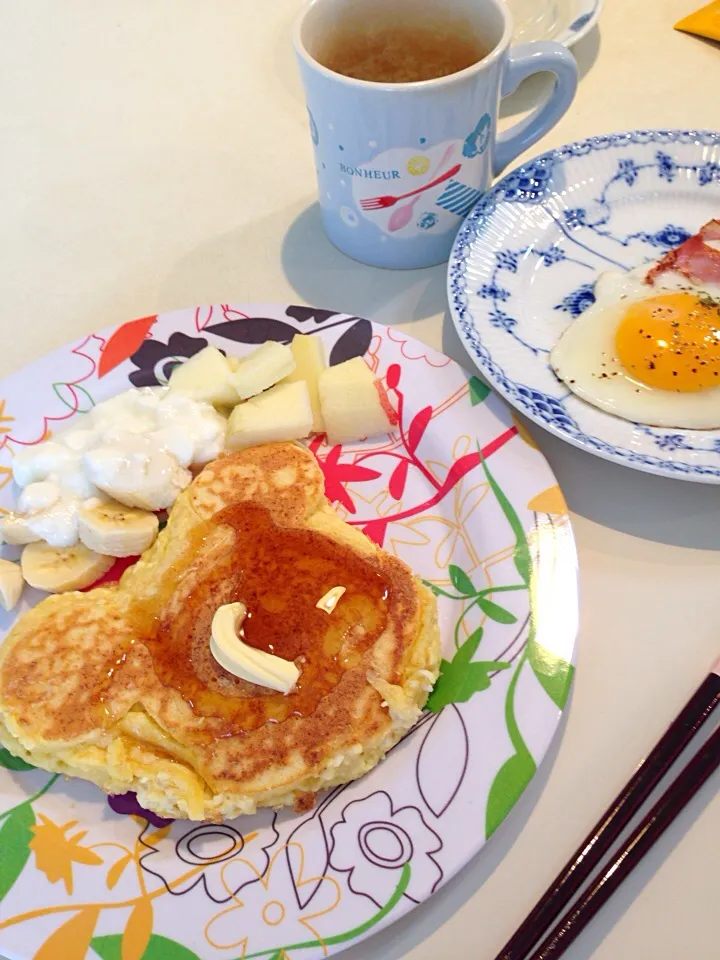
{"x": 279, "y": 574}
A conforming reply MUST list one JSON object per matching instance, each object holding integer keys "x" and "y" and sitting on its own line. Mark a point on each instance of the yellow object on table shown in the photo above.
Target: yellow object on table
{"x": 705, "y": 22}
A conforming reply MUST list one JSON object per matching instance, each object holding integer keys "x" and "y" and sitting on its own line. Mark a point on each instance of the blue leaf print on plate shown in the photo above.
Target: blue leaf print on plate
{"x": 578, "y": 300}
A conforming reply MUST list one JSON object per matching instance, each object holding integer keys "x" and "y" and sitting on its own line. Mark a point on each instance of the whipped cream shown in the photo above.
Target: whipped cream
{"x": 135, "y": 447}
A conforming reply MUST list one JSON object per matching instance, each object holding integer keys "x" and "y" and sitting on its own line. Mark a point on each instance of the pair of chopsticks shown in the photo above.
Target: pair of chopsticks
{"x": 556, "y": 909}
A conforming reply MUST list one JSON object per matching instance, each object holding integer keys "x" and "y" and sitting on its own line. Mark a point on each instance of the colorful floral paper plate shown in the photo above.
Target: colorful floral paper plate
{"x": 525, "y": 263}
{"x": 460, "y": 493}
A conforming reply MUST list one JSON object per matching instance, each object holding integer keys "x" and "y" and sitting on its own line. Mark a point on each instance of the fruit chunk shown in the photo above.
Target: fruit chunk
{"x": 116, "y": 530}
{"x": 309, "y": 355}
{"x": 350, "y": 402}
{"x": 281, "y": 413}
{"x": 59, "y": 569}
{"x": 206, "y": 376}
{"x": 262, "y": 368}
{"x": 11, "y": 584}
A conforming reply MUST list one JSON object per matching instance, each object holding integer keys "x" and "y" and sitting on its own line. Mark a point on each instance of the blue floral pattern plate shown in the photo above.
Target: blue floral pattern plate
{"x": 527, "y": 257}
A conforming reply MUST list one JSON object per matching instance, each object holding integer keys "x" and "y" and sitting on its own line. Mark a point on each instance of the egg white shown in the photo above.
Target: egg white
{"x": 584, "y": 358}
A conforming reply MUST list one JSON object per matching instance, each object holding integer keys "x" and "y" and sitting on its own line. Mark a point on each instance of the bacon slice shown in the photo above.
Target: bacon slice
{"x": 711, "y": 230}
{"x": 694, "y": 259}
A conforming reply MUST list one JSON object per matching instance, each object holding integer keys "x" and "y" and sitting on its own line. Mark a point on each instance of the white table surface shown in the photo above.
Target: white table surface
{"x": 154, "y": 154}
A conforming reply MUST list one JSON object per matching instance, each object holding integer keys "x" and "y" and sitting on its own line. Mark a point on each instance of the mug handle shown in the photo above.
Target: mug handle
{"x": 524, "y": 60}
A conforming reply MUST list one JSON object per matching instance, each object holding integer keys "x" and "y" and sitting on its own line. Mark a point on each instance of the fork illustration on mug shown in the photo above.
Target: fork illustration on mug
{"x": 401, "y": 217}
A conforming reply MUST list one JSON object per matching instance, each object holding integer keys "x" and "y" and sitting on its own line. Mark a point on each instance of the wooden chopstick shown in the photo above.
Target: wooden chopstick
{"x": 606, "y": 831}
{"x": 676, "y": 797}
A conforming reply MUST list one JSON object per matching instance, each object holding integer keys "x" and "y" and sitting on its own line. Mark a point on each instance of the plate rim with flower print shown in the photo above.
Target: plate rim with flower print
{"x": 459, "y": 491}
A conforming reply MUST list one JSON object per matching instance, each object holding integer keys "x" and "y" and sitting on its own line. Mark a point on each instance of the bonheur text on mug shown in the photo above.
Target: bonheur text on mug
{"x": 368, "y": 173}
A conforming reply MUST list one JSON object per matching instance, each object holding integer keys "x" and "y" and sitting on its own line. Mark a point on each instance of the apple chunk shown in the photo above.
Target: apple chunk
{"x": 309, "y": 355}
{"x": 282, "y": 413}
{"x": 350, "y": 401}
{"x": 262, "y": 368}
{"x": 205, "y": 376}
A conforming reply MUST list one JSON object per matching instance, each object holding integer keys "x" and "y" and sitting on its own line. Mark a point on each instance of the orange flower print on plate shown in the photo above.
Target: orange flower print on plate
{"x": 55, "y": 852}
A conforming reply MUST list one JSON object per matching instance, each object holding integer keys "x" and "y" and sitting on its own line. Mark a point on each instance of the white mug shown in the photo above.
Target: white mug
{"x": 400, "y": 165}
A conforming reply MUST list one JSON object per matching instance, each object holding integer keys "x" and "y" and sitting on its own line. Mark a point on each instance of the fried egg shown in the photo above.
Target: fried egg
{"x": 647, "y": 353}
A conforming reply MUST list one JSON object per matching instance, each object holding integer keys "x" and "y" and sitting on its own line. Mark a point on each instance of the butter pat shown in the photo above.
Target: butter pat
{"x": 244, "y": 661}
{"x": 330, "y": 600}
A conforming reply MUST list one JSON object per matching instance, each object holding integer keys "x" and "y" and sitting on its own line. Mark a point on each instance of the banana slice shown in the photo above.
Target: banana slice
{"x": 14, "y": 529}
{"x": 142, "y": 478}
{"x": 116, "y": 530}
{"x": 11, "y": 584}
{"x": 59, "y": 569}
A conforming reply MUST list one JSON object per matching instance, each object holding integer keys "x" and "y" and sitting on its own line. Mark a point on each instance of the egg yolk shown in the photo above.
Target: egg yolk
{"x": 672, "y": 342}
